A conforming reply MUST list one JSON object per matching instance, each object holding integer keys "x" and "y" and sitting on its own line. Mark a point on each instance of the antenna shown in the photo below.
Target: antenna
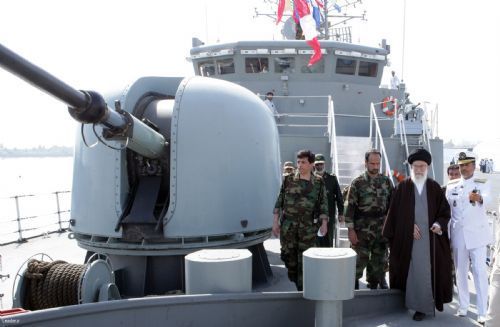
{"x": 206, "y": 22}
{"x": 404, "y": 37}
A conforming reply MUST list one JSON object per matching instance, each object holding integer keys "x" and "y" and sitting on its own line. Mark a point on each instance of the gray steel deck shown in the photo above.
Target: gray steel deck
{"x": 272, "y": 305}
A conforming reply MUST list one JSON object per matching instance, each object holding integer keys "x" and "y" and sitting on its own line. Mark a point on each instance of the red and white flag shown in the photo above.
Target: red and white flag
{"x": 308, "y": 24}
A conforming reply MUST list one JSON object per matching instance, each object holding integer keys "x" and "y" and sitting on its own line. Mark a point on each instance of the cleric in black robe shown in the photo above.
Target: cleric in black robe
{"x": 416, "y": 227}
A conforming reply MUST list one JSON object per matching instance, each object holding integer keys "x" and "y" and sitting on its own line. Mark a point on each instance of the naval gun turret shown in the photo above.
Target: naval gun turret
{"x": 177, "y": 165}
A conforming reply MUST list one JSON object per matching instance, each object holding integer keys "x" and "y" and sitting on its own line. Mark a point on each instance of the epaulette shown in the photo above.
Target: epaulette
{"x": 480, "y": 180}
{"x": 453, "y": 181}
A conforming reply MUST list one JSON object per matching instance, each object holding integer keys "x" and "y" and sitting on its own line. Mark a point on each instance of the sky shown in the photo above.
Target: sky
{"x": 450, "y": 54}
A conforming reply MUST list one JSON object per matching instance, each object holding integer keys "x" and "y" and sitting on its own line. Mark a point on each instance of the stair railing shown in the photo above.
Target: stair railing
{"x": 426, "y": 138}
{"x": 378, "y": 136}
{"x": 404, "y": 139}
{"x": 332, "y": 135}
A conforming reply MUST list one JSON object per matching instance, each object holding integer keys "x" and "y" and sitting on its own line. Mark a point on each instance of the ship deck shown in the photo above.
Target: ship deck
{"x": 59, "y": 247}
{"x": 360, "y": 311}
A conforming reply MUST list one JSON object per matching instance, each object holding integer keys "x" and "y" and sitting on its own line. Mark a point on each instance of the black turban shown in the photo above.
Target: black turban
{"x": 420, "y": 154}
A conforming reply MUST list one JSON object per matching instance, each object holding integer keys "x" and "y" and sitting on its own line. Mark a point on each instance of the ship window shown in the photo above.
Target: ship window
{"x": 284, "y": 65}
{"x": 317, "y": 68}
{"x": 367, "y": 69}
{"x": 225, "y": 66}
{"x": 207, "y": 68}
{"x": 345, "y": 66}
{"x": 256, "y": 65}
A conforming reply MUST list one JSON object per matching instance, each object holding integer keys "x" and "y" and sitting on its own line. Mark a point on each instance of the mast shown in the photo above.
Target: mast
{"x": 325, "y": 11}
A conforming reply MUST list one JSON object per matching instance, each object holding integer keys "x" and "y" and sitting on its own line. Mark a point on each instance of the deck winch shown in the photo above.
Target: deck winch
{"x": 49, "y": 284}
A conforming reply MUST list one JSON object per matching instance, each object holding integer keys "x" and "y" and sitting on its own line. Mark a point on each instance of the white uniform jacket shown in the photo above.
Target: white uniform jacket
{"x": 471, "y": 220}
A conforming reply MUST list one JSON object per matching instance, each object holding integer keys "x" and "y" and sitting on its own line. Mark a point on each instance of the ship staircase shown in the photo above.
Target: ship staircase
{"x": 348, "y": 158}
{"x": 308, "y": 122}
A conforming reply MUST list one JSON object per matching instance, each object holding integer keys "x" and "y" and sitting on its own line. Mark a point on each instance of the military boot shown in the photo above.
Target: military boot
{"x": 383, "y": 284}
{"x": 356, "y": 284}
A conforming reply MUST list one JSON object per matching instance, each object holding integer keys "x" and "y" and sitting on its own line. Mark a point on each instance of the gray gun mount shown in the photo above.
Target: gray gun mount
{"x": 197, "y": 166}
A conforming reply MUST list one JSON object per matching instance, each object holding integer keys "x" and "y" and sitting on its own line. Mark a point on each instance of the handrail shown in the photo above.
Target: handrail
{"x": 433, "y": 119}
{"x": 378, "y": 135}
{"x": 426, "y": 140}
{"x": 403, "y": 132}
{"x": 333, "y": 135}
{"x": 399, "y": 122}
{"x": 57, "y": 223}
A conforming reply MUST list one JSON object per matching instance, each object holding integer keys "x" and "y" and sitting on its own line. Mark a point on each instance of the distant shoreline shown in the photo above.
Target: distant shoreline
{"x": 55, "y": 151}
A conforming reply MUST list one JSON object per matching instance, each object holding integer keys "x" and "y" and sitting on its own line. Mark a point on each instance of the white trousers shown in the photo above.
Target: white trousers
{"x": 477, "y": 259}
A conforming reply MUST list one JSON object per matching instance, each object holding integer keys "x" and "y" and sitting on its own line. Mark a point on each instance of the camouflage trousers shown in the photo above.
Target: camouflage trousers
{"x": 296, "y": 236}
{"x": 371, "y": 253}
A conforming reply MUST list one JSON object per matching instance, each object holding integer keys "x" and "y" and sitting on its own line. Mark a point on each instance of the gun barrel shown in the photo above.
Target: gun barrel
{"x": 86, "y": 106}
{"x": 41, "y": 79}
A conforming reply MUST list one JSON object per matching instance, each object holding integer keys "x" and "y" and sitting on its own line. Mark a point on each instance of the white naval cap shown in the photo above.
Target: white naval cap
{"x": 465, "y": 157}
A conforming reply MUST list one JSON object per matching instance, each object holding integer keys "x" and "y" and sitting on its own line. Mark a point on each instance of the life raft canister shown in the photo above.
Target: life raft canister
{"x": 389, "y": 105}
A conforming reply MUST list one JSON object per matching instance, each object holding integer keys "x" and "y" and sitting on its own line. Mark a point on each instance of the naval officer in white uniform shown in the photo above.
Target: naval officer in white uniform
{"x": 470, "y": 233}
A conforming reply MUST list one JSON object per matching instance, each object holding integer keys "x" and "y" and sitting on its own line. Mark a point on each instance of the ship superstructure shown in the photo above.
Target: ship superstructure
{"x": 327, "y": 107}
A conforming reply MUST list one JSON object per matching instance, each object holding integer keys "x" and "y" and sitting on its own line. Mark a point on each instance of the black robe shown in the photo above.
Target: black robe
{"x": 398, "y": 229}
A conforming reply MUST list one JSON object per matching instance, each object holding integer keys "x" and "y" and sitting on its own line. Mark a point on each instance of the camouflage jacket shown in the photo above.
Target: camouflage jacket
{"x": 368, "y": 198}
{"x": 301, "y": 198}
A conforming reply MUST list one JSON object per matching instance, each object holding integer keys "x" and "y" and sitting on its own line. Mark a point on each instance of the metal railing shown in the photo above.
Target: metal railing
{"x": 2, "y": 278}
{"x": 427, "y": 132}
{"x": 432, "y": 119}
{"x": 332, "y": 136}
{"x": 23, "y": 226}
{"x": 404, "y": 139}
{"x": 379, "y": 138}
{"x": 426, "y": 138}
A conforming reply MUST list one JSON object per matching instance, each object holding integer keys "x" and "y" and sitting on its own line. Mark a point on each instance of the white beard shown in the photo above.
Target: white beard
{"x": 419, "y": 181}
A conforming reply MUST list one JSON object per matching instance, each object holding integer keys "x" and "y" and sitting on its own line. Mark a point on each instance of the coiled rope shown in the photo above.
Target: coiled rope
{"x": 52, "y": 284}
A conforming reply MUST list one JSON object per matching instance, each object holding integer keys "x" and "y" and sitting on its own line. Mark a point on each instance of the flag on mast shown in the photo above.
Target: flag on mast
{"x": 307, "y": 23}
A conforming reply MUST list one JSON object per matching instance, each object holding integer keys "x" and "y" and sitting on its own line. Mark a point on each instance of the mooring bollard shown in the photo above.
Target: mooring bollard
{"x": 329, "y": 280}
{"x": 218, "y": 271}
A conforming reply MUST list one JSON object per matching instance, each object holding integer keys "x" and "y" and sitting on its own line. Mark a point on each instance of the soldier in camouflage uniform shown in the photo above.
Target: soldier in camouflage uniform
{"x": 334, "y": 196}
{"x": 288, "y": 168}
{"x": 302, "y": 198}
{"x": 367, "y": 204}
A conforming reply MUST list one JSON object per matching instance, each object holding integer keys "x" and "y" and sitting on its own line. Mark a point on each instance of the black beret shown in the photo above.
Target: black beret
{"x": 420, "y": 154}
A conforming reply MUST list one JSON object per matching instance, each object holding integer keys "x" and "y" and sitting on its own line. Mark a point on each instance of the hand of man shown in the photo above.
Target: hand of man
{"x": 276, "y": 225}
{"x": 474, "y": 197}
{"x": 436, "y": 229}
{"x": 353, "y": 238}
{"x": 324, "y": 228}
{"x": 416, "y": 232}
